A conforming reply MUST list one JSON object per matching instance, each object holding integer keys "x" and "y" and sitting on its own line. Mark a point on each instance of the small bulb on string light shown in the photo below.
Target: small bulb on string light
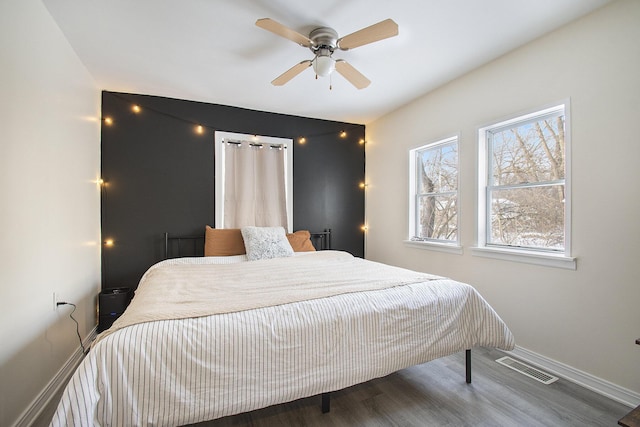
{"x": 343, "y": 134}
{"x": 100, "y": 182}
{"x": 108, "y": 120}
{"x": 109, "y": 243}
{"x": 364, "y": 228}
{"x": 302, "y": 140}
{"x": 361, "y": 142}
{"x": 136, "y": 108}
{"x": 363, "y": 185}
{"x": 199, "y": 130}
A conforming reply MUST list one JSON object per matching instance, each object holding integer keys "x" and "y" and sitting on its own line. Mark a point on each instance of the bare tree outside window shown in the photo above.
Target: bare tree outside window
{"x": 526, "y": 183}
{"x": 436, "y": 196}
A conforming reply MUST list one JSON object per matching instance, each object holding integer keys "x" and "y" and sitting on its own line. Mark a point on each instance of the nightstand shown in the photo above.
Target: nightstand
{"x": 111, "y": 304}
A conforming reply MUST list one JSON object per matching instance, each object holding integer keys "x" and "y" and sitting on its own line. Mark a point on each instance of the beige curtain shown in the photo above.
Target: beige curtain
{"x": 254, "y": 192}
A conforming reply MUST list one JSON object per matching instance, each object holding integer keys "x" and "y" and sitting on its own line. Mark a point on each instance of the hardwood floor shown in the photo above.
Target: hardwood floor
{"x": 435, "y": 394}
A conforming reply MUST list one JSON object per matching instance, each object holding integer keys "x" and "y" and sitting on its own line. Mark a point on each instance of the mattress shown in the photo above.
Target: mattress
{"x": 175, "y": 371}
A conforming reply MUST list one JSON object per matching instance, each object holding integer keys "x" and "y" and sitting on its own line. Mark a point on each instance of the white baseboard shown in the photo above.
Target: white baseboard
{"x": 30, "y": 415}
{"x": 588, "y": 381}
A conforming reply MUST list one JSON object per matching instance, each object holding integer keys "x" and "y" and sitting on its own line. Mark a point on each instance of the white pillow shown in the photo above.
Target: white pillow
{"x": 266, "y": 243}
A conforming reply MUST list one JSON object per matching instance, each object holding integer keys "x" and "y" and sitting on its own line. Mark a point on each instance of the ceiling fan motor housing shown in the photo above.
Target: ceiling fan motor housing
{"x": 323, "y": 38}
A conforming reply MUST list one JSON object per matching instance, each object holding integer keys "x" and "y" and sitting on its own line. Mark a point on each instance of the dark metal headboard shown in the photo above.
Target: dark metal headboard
{"x": 183, "y": 246}
{"x": 322, "y": 240}
{"x": 174, "y": 245}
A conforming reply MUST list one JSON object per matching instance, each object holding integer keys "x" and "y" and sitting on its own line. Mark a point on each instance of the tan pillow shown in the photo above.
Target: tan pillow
{"x": 223, "y": 242}
{"x": 300, "y": 241}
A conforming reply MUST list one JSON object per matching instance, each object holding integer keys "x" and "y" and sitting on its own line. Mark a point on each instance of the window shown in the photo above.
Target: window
{"x": 523, "y": 184}
{"x": 433, "y": 194}
{"x": 254, "y": 181}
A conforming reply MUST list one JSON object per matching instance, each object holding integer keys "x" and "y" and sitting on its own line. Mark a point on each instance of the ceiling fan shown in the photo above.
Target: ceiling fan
{"x": 323, "y": 41}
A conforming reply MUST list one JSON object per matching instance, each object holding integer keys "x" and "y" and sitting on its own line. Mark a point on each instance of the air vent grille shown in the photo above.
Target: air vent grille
{"x": 527, "y": 370}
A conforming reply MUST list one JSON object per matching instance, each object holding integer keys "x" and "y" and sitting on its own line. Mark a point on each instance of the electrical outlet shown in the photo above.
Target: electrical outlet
{"x": 56, "y": 298}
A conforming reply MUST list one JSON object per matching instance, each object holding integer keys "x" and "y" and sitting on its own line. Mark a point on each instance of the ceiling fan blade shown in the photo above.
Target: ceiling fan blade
{"x": 291, "y": 73}
{"x": 380, "y": 31}
{"x": 286, "y": 32}
{"x": 354, "y": 76}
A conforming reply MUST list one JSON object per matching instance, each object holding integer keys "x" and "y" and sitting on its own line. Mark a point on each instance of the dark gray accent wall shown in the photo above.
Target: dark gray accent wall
{"x": 159, "y": 176}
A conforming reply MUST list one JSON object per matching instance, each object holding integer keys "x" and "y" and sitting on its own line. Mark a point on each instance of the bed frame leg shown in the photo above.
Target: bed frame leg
{"x": 468, "y": 365}
{"x": 326, "y": 403}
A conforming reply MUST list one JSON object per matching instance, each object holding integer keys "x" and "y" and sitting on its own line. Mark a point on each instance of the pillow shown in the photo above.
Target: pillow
{"x": 223, "y": 242}
{"x": 266, "y": 243}
{"x": 300, "y": 241}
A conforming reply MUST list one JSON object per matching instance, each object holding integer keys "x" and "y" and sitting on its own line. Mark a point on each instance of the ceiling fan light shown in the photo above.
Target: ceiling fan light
{"x": 324, "y": 65}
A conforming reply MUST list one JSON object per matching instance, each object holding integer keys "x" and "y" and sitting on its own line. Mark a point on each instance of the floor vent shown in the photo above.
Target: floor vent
{"x": 527, "y": 370}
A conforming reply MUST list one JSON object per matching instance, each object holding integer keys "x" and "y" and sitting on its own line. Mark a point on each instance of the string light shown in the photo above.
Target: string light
{"x": 100, "y": 182}
{"x": 342, "y": 134}
{"x": 109, "y": 243}
{"x": 363, "y": 185}
{"x": 364, "y": 228}
{"x": 200, "y": 129}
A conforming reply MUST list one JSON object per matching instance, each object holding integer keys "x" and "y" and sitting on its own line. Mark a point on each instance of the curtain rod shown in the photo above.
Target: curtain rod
{"x": 254, "y": 144}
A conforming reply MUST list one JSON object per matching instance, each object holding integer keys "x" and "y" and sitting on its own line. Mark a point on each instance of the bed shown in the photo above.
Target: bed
{"x": 207, "y": 337}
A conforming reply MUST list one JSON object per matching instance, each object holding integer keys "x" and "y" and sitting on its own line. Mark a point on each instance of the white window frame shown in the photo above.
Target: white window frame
{"x": 219, "y": 147}
{"x": 431, "y": 244}
{"x": 560, "y": 259}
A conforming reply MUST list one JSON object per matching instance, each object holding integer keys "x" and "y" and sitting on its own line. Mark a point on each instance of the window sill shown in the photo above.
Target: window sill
{"x": 434, "y": 246}
{"x": 536, "y": 258}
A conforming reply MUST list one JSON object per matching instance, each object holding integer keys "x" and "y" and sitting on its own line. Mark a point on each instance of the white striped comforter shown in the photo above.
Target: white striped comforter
{"x": 169, "y": 291}
{"x": 175, "y": 372}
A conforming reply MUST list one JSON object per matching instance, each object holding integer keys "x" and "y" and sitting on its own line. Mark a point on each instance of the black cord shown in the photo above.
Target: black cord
{"x": 84, "y": 351}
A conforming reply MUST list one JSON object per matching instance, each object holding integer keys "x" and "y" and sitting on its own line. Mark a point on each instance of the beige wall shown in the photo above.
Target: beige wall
{"x": 588, "y": 318}
{"x": 49, "y": 206}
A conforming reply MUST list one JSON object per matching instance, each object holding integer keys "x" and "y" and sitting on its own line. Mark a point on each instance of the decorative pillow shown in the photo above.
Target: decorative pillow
{"x": 300, "y": 241}
{"x": 223, "y": 242}
{"x": 266, "y": 243}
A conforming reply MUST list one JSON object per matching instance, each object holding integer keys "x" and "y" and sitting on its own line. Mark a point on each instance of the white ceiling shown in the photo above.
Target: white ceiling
{"x": 211, "y": 50}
